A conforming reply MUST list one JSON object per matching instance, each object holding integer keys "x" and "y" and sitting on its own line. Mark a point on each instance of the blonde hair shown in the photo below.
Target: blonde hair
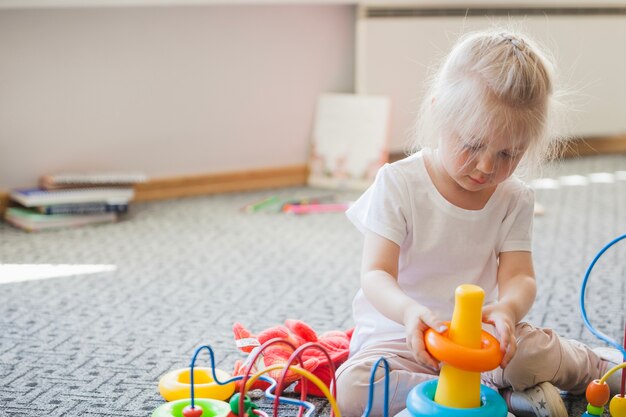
{"x": 493, "y": 82}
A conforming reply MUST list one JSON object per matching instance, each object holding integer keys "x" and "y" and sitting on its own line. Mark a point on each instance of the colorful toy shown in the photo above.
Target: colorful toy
{"x": 205, "y": 407}
{"x": 190, "y": 406}
{"x": 465, "y": 350}
{"x": 240, "y": 404}
{"x": 598, "y": 392}
{"x": 297, "y": 354}
{"x": 175, "y": 385}
{"x": 335, "y": 344}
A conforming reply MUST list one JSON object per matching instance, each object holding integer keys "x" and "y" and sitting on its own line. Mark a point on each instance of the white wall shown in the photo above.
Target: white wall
{"x": 169, "y": 91}
{"x": 397, "y": 54}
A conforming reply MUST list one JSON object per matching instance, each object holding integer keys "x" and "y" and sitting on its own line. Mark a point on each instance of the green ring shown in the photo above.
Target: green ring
{"x": 210, "y": 407}
{"x": 596, "y": 411}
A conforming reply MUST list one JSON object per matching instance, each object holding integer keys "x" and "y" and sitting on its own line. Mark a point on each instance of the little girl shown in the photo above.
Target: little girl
{"x": 454, "y": 213}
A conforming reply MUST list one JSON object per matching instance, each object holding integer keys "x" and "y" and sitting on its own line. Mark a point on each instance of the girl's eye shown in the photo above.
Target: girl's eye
{"x": 507, "y": 155}
{"x": 474, "y": 147}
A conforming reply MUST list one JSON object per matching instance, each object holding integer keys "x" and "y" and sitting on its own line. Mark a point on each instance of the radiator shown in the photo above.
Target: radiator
{"x": 398, "y": 46}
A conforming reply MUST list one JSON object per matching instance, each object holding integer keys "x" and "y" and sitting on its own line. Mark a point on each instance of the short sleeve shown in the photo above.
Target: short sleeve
{"x": 382, "y": 208}
{"x": 517, "y": 227}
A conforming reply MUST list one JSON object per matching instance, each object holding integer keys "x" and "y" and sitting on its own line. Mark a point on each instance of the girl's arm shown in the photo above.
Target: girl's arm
{"x": 379, "y": 281}
{"x": 516, "y": 294}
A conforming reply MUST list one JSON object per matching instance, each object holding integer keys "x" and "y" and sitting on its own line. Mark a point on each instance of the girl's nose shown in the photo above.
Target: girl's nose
{"x": 486, "y": 163}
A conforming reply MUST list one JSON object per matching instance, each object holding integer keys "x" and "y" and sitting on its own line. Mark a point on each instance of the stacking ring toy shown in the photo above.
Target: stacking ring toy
{"x": 176, "y": 385}
{"x": 485, "y": 358}
{"x": 420, "y": 403}
{"x": 210, "y": 408}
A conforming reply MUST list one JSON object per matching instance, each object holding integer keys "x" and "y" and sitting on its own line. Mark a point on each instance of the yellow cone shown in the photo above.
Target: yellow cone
{"x": 458, "y": 388}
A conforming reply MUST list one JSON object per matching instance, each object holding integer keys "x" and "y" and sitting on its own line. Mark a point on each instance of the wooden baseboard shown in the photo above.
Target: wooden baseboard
{"x": 4, "y": 201}
{"x": 596, "y": 146}
{"x": 577, "y": 147}
{"x": 185, "y": 186}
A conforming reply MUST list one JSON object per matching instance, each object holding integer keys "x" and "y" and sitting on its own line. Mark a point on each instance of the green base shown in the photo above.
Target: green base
{"x": 211, "y": 408}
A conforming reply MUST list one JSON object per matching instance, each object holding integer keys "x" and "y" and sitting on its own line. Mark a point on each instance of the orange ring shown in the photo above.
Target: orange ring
{"x": 485, "y": 358}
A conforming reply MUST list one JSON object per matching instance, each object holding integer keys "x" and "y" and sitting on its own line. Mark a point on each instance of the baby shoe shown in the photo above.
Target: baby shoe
{"x": 611, "y": 357}
{"x": 542, "y": 400}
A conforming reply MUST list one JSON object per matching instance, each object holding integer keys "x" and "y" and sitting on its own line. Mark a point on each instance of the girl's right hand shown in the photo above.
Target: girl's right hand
{"x": 418, "y": 319}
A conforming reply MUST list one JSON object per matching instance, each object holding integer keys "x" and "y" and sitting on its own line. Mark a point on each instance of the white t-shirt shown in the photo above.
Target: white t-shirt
{"x": 441, "y": 245}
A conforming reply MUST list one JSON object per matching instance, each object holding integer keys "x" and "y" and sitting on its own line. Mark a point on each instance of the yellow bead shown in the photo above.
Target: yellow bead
{"x": 617, "y": 406}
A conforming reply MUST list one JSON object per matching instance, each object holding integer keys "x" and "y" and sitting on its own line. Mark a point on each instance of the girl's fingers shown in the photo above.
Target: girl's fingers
{"x": 421, "y": 354}
{"x": 430, "y": 320}
{"x": 510, "y": 352}
{"x": 429, "y": 361}
{"x": 507, "y": 341}
{"x": 488, "y": 320}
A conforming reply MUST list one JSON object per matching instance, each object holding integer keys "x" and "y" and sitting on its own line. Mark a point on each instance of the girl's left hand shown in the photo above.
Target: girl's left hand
{"x": 502, "y": 317}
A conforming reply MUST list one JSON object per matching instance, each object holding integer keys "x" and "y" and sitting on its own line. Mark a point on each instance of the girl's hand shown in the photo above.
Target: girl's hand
{"x": 502, "y": 317}
{"x": 417, "y": 319}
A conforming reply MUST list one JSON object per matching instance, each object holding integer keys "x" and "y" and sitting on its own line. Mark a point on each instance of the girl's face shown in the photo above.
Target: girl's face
{"x": 479, "y": 164}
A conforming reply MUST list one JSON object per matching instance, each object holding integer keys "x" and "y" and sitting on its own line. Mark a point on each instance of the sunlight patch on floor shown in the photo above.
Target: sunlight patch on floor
{"x": 578, "y": 180}
{"x": 30, "y": 272}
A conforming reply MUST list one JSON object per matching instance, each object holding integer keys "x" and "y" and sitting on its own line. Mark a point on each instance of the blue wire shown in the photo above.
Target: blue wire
{"x": 597, "y": 333}
{"x": 268, "y": 393}
{"x": 370, "y": 400}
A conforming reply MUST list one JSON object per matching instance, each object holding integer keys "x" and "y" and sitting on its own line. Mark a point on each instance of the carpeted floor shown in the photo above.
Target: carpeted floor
{"x": 184, "y": 271}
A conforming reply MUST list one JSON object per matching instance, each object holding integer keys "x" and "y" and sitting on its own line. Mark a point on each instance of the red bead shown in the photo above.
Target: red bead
{"x": 192, "y": 412}
{"x": 598, "y": 393}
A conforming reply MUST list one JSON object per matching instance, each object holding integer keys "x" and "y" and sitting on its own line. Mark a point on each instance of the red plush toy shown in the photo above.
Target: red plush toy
{"x": 336, "y": 343}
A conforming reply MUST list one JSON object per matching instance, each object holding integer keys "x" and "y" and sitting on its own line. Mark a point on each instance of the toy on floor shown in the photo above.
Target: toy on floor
{"x": 465, "y": 350}
{"x": 336, "y": 345}
{"x": 239, "y": 404}
{"x": 598, "y": 391}
{"x": 180, "y": 387}
{"x": 175, "y": 385}
{"x": 285, "y": 368}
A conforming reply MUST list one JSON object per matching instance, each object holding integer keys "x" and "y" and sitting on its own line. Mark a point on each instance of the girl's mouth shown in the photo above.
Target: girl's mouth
{"x": 480, "y": 181}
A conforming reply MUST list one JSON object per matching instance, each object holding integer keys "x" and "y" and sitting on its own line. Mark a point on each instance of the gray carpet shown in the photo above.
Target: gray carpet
{"x": 96, "y": 344}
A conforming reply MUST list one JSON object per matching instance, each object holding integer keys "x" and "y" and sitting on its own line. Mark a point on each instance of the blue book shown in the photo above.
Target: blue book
{"x": 83, "y": 208}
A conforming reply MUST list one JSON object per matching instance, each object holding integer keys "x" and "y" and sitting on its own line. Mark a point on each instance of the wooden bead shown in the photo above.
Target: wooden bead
{"x": 192, "y": 412}
{"x": 617, "y": 407}
{"x": 597, "y": 393}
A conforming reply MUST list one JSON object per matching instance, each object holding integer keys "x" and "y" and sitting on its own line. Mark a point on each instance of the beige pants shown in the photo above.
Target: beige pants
{"x": 541, "y": 356}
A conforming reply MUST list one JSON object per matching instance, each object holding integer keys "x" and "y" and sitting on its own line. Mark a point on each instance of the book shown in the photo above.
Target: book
{"x": 83, "y": 208}
{"x": 30, "y": 220}
{"x": 91, "y": 179}
{"x": 31, "y": 197}
{"x": 349, "y": 140}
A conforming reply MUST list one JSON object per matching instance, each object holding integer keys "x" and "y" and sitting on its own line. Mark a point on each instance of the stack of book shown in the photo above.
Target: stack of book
{"x": 68, "y": 200}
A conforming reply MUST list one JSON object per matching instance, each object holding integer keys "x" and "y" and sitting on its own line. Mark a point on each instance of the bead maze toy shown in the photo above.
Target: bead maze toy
{"x": 598, "y": 391}
{"x": 173, "y": 384}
